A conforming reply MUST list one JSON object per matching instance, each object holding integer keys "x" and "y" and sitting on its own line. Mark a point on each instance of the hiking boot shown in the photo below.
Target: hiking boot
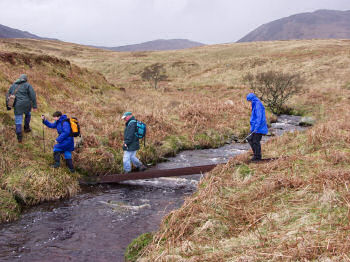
{"x": 19, "y": 137}
{"x": 56, "y": 165}
{"x": 69, "y": 163}
{"x": 141, "y": 168}
{"x": 57, "y": 159}
{"x": 255, "y": 159}
{"x": 27, "y": 129}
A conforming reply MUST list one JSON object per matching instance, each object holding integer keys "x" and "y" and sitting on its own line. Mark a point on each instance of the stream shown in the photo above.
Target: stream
{"x": 99, "y": 223}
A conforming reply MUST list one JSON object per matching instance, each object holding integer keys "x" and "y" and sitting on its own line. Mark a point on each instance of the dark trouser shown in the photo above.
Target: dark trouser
{"x": 27, "y": 122}
{"x": 57, "y": 157}
{"x": 254, "y": 142}
{"x": 68, "y": 157}
{"x": 18, "y": 122}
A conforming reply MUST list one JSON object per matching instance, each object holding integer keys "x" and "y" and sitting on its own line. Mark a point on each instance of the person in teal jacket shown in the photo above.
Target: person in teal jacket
{"x": 258, "y": 125}
{"x": 131, "y": 144}
{"x": 24, "y": 102}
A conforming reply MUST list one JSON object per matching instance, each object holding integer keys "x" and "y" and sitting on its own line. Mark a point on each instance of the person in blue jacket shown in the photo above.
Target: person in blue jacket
{"x": 258, "y": 125}
{"x": 65, "y": 142}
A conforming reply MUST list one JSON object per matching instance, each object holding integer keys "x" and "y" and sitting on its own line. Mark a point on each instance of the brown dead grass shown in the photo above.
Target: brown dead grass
{"x": 292, "y": 209}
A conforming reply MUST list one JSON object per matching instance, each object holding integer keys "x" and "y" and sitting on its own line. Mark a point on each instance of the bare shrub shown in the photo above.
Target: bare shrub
{"x": 154, "y": 73}
{"x": 275, "y": 88}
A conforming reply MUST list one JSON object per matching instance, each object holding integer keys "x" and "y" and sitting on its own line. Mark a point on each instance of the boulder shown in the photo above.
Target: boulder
{"x": 229, "y": 103}
{"x": 307, "y": 121}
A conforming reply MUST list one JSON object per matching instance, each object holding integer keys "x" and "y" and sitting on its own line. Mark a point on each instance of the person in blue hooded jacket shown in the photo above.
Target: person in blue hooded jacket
{"x": 65, "y": 142}
{"x": 258, "y": 125}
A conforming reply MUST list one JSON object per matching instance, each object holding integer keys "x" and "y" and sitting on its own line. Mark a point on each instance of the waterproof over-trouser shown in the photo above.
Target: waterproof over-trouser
{"x": 258, "y": 125}
{"x": 24, "y": 102}
{"x": 132, "y": 145}
{"x": 65, "y": 142}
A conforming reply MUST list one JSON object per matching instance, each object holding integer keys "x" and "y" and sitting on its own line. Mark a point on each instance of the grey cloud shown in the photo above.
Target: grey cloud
{"x": 119, "y": 22}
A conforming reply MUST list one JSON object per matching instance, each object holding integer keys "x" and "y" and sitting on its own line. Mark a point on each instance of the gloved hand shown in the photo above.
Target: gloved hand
{"x": 125, "y": 147}
{"x": 8, "y": 108}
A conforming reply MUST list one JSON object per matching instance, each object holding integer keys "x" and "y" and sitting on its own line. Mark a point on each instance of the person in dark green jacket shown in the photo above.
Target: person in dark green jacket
{"x": 131, "y": 144}
{"x": 25, "y": 101}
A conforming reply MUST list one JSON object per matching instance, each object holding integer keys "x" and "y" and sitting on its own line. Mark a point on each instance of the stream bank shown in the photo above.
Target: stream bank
{"x": 99, "y": 223}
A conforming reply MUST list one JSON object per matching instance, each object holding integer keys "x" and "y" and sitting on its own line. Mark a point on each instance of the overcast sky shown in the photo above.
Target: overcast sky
{"x": 122, "y": 22}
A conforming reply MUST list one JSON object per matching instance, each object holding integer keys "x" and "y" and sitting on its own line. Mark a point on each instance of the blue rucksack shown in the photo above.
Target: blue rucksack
{"x": 140, "y": 130}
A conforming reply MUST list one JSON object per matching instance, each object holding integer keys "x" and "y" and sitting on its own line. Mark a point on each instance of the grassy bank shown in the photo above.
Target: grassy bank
{"x": 25, "y": 175}
{"x": 295, "y": 208}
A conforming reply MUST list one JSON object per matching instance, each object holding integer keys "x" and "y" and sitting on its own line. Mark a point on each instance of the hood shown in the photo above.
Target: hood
{"x": 23, "y": 78}
{"x": 252, "y": 97}
{"x": 63, "y": 117}
{"x": 19, "y": 81}
{"x": 132, "y": 118}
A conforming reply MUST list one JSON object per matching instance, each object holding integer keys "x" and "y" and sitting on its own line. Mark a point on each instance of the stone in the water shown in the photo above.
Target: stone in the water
{"x": 307, "y": 121}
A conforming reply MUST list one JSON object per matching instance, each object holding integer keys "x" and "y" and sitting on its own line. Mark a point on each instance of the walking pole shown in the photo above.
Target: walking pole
{"x": 44, "y": 137}
{"x": 247, "y": 137}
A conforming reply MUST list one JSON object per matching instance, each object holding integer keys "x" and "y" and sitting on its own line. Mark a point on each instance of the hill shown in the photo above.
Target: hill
{"x": 157, "y": 45}
{"x": 8, "y": 32}
{"x": 321, "y": 24}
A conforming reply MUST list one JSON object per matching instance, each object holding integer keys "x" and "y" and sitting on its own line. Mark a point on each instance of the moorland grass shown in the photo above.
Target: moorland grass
{"x": 294, "y": 208}
{"x": 291, "y": 209}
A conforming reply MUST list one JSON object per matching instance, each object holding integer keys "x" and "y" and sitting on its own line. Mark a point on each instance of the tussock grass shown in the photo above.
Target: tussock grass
{"x": 291, "y": 209}
{"x": 32, "y": 186}
{"x": 295, "y": 208}
{"x": 9, "y": 208}
{"x": 24, "y": 168}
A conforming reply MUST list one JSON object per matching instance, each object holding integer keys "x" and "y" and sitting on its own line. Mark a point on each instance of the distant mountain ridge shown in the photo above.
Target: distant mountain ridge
{"x": 321, "y": 24}
{"x": 8, "y": 32}
{"x": 157, "y": 45}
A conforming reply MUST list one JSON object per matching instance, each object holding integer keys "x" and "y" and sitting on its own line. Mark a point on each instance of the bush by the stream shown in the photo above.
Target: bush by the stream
{"x": 275, "y": 88}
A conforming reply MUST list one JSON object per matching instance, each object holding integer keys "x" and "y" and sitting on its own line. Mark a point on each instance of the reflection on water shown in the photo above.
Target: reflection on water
{"x": 98, "y": 224}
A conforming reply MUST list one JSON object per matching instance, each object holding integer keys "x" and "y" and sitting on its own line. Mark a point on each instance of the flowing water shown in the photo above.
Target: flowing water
{"x": 99, "y": 223}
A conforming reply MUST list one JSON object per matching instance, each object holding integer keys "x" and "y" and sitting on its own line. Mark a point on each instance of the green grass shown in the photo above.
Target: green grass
{"x": 9, "y": 208}
{"x": 135, "y": 248}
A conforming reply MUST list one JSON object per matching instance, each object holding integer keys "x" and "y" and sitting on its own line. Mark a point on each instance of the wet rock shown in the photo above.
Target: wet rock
{"x": 66, "y": 235}
{"x": 270, "y": 133}
{"x": 307, "y": 121}
{"x": 229, "y": 103}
